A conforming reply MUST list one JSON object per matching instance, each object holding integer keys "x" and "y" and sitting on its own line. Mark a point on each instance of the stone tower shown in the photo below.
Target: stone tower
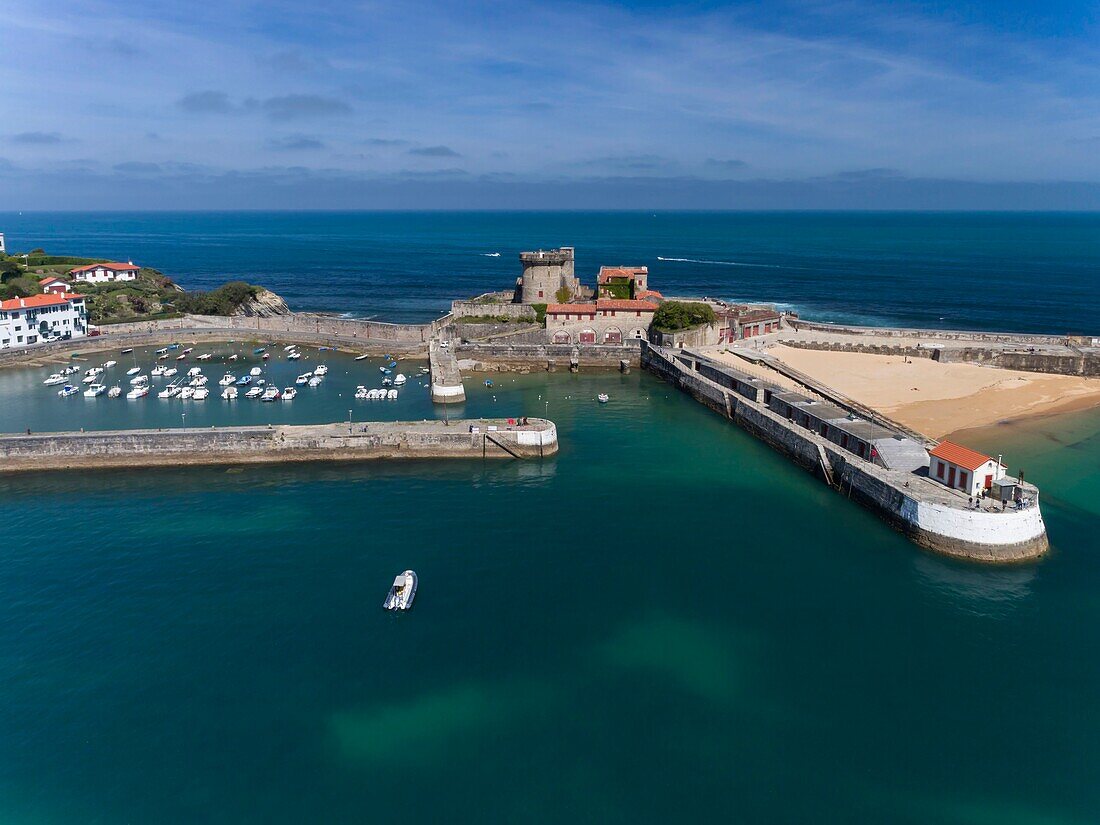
{"x": 544, "y": 273}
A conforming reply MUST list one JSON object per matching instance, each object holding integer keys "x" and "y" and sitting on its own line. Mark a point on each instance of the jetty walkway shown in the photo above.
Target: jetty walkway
{"x": 466, "y": 438}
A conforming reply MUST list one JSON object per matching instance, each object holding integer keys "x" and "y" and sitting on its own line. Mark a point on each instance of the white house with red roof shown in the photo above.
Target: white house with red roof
{"x": 55, "y": 286}
{"x": 607, "y": 321}
{"x": 961, "y": 468}
{"x": 101, "y": 273}
{"x": 40, "y": 318}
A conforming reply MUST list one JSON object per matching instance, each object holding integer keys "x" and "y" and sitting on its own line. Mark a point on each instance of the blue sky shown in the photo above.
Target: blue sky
{"x": 383, "y": 104}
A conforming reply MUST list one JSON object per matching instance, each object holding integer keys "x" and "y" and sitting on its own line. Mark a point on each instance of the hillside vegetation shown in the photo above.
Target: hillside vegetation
{"x": 152, "y": 295}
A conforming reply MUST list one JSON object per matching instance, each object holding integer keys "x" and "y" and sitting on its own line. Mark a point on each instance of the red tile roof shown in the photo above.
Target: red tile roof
{"x": 625, "y": 304}
{"x": 117, "y": 267}
{"x": 959, "y": 455}
{"x": 35, "y": 301}
{"x": 50, "y": 279}
{"x": 562, "y": 309}
{"x": 609, "y": 272}
{"x": 650, "y": 293}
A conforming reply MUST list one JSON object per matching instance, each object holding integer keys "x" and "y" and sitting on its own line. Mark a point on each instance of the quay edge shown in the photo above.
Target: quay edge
{"x": 904, "y": 502}
{"x": 467, "y": 438}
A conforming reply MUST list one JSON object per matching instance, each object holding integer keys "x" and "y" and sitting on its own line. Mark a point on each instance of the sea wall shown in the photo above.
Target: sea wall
{"x": 1021, "y": 338}
{"x": 495, "y": 304}
{"x": 951, "y": 530}
{"x": 251, "y": 445}
{"x": 496, "y": 356}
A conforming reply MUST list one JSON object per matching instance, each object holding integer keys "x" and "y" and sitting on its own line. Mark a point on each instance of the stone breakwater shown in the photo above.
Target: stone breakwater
{"x": 467, "y": 438}
{"x": 928, "y": 513}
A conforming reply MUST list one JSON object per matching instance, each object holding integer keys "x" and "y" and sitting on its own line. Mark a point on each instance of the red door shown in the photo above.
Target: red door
{"x": 988, "y": 481}
{"x": 950, "y": 476}
{"x": 588, "y": 337}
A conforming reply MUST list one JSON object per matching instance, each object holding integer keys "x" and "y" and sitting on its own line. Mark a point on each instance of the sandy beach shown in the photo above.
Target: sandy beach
{"x": 937, "y": 399}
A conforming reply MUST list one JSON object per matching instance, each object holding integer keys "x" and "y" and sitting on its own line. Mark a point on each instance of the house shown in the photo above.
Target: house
{"x": 55, "y": 286}
{"x": 101, "y": 273}
{"x": 622, "y": 282}
{"x": 607, "y": 321}
{"x": 961, "y": 468}
{"x": 39, "y": 318}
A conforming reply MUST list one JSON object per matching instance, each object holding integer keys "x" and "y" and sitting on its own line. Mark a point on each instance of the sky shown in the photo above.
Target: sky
{"x": 545, "y": 105}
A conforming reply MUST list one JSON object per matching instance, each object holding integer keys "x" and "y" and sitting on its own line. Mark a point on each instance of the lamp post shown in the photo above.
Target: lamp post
{"x": 184, "y": 419}
{"x": 349, "y": 422}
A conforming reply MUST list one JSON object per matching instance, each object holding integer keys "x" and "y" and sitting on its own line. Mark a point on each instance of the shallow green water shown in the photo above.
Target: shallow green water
{"x": 665, "y": 622}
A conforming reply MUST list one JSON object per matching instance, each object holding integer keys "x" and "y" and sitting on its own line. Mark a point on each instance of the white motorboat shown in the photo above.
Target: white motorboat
{"x": 603, "y": 398}
{"x": 67, "y": 391}
{"x": 254, "y": 392}
{"x": 69, "y": 370}
{"x": 290, "y": 347}
{"x": 206, "y": 356}
{"x": 230, "y": 393}
{"x": 255, "y": 371}
{"x": 171, "y": 391}
{"x": 270, "y": 394}
{"x": 56, "y": 378}
{"x": 199, "y": 381}
{"x": 399, "y": 379}
{"x": 301, "y": 379}
{"x": 402, "y": 592}
{"x": 163, "y": 357}
{"x": 362, "y": 357}
{"x": 139, "y": 379}
{"x": 320, "y": 369}
{"x": 181, "y": 357}
{"x": 187, "y": 393}
{"x": 168, "y": 373}
{"x": 234, "y": 357}
{"x": 362, "y": 393}
{"x": 227, "y": 379}
{"x": 289, "y": 393}
{"x": 315, "y": 381}
{"x": 188, "y": 350}
{"x": 158, "y": 370}
{"x": 294, "y": 356}
{"x": 392, "y": 395}
{"x": 191, "y": 373}
{"x": 133, "y": 370}
{"x": 162, "y": 351}
{"x": 201, "y": 394}
{"x": 138, "y": 392}
{"x": 114, "y": 392}
{"x": 95, "y": 390}
{"x": 109, "y": 364}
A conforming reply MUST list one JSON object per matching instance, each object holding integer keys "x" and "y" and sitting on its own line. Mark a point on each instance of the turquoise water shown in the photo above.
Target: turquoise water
{"x": 1029, "y": 271}
{"x": 665, "y": 622}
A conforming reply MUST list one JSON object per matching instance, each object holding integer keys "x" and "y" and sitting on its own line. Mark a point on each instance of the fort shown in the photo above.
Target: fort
{"x": 942, "y": 495}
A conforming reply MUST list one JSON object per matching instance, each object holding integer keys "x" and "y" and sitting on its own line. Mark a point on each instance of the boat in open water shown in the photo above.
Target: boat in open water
{"x": 402, "y": 592}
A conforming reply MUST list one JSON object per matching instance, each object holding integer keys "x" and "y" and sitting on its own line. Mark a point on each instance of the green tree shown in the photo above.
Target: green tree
{"x": 563, "y": 295}
{"x": 672, "y": 316}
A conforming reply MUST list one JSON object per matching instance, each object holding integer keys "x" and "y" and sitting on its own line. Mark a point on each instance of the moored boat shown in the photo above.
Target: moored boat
{"x": 95, "y": 390}
{"x": 55, "y": 378}
{"x": 316, "y": 380}
{"x": 391, "y": 395}
{"x": 402, "y": 592}
{"x": 133, "y": 370}
{"x": 303, "y": 378}
{"x": 289, "y": 393}
{"x": 255, "y": 371}
{"x": 229, "y": 393}
{"x": 138, "y": 392}
{"x": 270, "y": 394}
{"x": 603, "y": 397}
{"x": 320, "y": 369}
{"x": 139, "y": 379}
{"x": 187, "y": 393}
{"x": 254, "y": 392}
{"x": 244, "y": 380}
{"x": 294, "y": 356}
{"x": 201, "y": 394}
{"x": 399, "y": 379}
{"x": 67, "y": 391}
{"x": 114, "y": 392}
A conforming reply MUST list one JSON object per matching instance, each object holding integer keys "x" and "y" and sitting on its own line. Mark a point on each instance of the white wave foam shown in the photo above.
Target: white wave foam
{"x": 721, "y": 263}
{"x": 490, "y": 254}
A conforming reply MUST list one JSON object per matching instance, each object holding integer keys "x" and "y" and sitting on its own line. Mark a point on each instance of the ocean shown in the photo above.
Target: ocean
{"x": 993, "y": 271}
{"x": 666, "y": 622}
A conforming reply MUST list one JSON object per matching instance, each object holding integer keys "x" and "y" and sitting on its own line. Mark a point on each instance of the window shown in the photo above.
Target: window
{"x": 963, "y": 478}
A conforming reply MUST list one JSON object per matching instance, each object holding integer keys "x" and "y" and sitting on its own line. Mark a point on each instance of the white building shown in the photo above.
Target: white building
{"x": 3, "y": 249}
{"x": 55, "y": 286}
{"x": 39, "y": 318}
{"x": 961, "y": 468}
{"x": 101, "y": 273}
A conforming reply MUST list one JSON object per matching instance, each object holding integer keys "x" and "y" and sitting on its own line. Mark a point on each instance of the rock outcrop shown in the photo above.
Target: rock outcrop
{"x": 266, "y": 304}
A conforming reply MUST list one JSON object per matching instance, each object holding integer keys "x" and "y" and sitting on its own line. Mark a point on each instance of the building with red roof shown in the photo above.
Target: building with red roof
{"x": 55, "y": 285}
{"x": 101, "y": 273}
{"x": 962, "y": 468}
{"x": 622, "y": 281}
{"x": 607, "y": 321}
{"x": 40, "y": 318}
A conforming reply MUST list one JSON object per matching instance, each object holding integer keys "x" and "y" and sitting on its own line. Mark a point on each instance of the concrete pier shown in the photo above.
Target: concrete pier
{"x": 929, "y": 513}
{"x": 467, "y": 438}
{"x": 446, "y": 377}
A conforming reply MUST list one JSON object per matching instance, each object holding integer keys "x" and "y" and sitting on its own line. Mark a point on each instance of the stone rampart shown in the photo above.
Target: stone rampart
{"x": 499, "y": 355}
{"x": 1024, "y": 339}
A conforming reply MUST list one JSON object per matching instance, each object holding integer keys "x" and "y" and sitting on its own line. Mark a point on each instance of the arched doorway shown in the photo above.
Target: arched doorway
{"x": 588, "y": 336}
{"x": 562, "y": 337}
{"x": 613, "y": 335}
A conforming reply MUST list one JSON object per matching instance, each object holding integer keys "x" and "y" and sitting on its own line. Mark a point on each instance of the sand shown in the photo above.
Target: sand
{"x": 937, "y": 399}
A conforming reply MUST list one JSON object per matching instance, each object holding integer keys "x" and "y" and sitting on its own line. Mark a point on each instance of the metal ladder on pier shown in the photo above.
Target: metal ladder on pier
{"x": 826, "y": 468}
{"x": 489, "y": 437}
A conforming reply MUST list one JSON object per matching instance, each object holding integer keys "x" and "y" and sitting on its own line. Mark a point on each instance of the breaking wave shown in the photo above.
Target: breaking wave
{"x": 720, "y": 263}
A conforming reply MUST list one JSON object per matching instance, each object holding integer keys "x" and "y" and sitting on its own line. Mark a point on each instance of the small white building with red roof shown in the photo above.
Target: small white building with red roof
{"x": 102, "y": 273}
{"x": 55, "y": 286}
{"x": 40, "y": 318}
{"x": 961, "y": 468}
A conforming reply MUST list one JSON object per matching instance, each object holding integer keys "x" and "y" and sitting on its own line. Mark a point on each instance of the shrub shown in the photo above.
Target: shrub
{"x": 672, "y": 316}
{"x": 540, "y": 313}
{"x": 225, "y": 300}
